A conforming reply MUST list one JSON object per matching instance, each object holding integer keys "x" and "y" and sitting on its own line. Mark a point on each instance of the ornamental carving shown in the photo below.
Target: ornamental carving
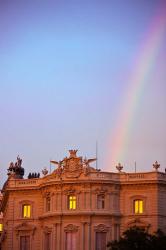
{"x": 73, "y": 166}
{"x": 71, "y": 228}
{"x": 101, "y": 190}
{"x": 101, "y": 228}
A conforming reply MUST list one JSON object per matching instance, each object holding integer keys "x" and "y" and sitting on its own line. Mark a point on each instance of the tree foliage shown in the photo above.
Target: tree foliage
{"x": 136, "y": 238}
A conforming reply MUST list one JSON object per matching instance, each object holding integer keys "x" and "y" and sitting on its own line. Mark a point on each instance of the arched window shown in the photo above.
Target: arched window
{"x": 72, "y": 202}
{"x": 138, "y": 206}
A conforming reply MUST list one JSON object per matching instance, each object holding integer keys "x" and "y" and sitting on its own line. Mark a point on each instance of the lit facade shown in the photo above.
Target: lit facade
{"x": 77, "y": 207}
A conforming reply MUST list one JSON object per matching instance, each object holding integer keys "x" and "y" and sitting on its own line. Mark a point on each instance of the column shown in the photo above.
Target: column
{"x": 83, "y": 236}
{"x": 89, "y": 235}
{"x": 54, "y": 236}
{"x": 58, "y": 245}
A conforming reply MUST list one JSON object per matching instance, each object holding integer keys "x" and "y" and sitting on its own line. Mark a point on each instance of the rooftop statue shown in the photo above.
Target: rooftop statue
{"x": 15, "y": 169}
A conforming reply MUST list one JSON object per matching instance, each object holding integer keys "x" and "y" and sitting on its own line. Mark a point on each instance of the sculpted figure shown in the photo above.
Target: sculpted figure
{"x": 19, "y": 161}
{"x": 59, "y": 169}
{"x": 11, "y": 165}
{"x": 87, "y": 161}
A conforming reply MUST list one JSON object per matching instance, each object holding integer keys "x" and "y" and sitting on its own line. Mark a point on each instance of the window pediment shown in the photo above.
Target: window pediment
{"x": 139, "y": 223}
{"x": 25, "y": 227}
{"x": 26, "y": 202}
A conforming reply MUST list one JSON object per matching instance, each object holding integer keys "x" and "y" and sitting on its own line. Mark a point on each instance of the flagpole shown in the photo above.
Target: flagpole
{"x": 50, "y": 166}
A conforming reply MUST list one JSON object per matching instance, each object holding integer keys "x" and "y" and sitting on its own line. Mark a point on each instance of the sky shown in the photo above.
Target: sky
{"x": 73, "y": 73}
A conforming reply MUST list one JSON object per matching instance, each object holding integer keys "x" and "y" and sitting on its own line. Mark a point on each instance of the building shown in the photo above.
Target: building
{"x": 78, "y": 207}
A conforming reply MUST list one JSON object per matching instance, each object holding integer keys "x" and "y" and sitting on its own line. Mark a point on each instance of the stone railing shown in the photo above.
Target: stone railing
{"x": 15, "y": 183}
{"x": 104, "y": 176}
{"x": 142, "y": 176}
{"x": 94, "y": 176}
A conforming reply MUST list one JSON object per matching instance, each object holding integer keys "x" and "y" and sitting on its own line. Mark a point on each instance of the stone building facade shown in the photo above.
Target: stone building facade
{"x": 78, "y": 207}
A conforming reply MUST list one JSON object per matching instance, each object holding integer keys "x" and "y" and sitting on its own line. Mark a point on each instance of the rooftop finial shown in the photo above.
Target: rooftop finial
{"x": 156, "y": 165}
{"x": 119, "y": 167}
{"x": 44, "y": 171}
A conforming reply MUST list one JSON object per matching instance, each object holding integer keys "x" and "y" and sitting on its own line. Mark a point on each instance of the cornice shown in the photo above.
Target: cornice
{"x": 79, "y": 213}
{"x": 145, "y": 215}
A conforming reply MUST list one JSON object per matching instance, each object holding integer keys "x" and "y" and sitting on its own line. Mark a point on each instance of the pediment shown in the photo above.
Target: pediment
{"x": 138, "y": 223}
{"x": 25, "y": 227}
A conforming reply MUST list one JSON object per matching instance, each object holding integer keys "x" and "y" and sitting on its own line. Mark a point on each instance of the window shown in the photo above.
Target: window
{"x": 48, "y": 203}
{"x": 138, "y": 206}
{"x": 24, "y": 242}
{"x": 26, "y": 211}
{"x": 71, "y": 243}
{"x": 101, "y": 240}
{"x": 100, "y": 201}
{"x": 47, "y": 241}
{"x": 1, "y": 227}
{"x": 72, "y": 202}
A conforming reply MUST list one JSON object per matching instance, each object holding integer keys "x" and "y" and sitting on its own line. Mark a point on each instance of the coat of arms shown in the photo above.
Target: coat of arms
{"x": 73, "y": 165}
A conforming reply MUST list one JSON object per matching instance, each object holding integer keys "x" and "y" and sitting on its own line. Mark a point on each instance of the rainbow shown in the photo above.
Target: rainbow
{"x": 144, "y": 62}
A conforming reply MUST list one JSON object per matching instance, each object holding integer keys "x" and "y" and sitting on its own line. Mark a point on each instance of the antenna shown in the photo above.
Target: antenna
{"x": 96, "y": 155}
